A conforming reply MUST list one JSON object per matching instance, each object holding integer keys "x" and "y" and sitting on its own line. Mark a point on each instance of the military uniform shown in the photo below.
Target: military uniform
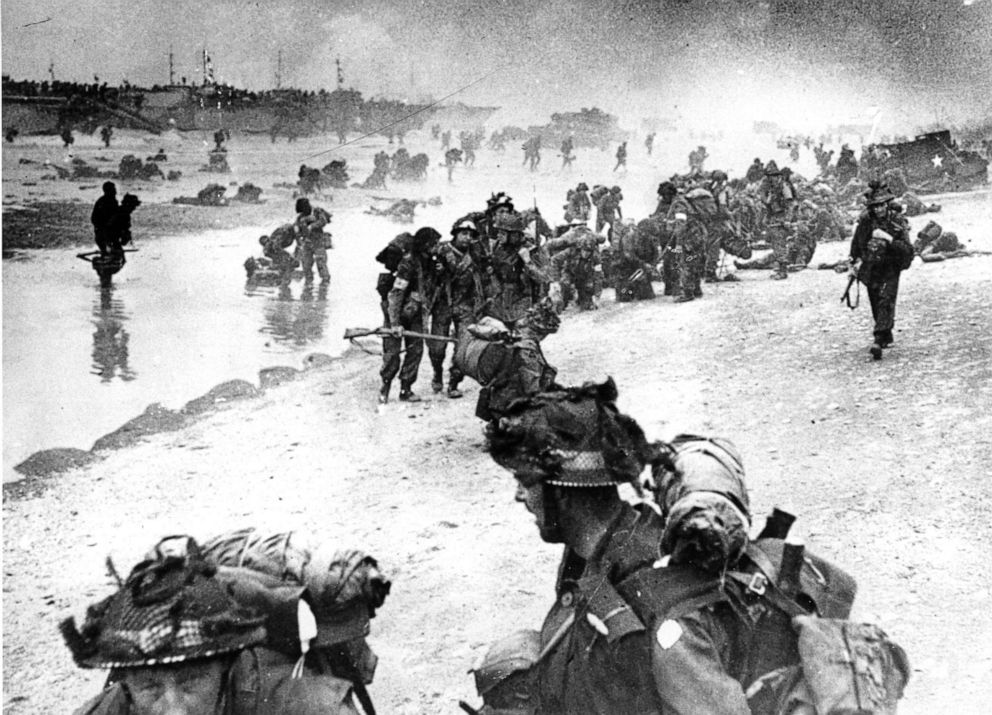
{"x": 408, "y": 304}
{"x": 579, "y": 205}
{"x": 637, "y": 255}
{"x": 880, "y": 265}
{"x": 689, "y": 236}
{"x": 520, "y": 280}
{"x": 608, "y": 210}
{"x": 579, "y": 271}
{"x": 309, "y": 228}
{"x": 779, "y": 201}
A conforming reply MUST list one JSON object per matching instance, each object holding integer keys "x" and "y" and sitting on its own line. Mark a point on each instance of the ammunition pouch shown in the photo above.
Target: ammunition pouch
{"x": 506, "y": 678}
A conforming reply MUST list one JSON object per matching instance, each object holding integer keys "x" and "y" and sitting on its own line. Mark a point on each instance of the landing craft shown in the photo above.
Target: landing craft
{"x": 934, "y": 161}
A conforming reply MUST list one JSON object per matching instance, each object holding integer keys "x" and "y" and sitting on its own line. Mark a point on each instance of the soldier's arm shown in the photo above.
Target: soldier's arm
{"x": 688, "y": 659}
{"x": 397, "y": 293}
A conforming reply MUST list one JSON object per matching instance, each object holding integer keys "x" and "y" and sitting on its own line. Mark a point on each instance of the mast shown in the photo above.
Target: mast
{"x": 279, "y": 70}
{"x": 340, "y": 73}
{"x": 172, "y": 74}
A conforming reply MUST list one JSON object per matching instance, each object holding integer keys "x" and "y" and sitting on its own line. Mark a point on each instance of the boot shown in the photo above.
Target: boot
{"x": 437, "y": 384}
{"x": 384, "y": 392}
{"x": 408, "y": 395}
{"x": 731, "y": 278}
{"x": 876, "y": 351}
{"x": 683, "y": 299}
{"x": 453, "y": 392}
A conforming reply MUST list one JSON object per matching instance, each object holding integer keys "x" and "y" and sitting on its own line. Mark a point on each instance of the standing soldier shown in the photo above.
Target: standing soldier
{"x": 460, "y": 298}
{"x": 520, "y": 278}
{"x": 407, "y": 306}
{"x": 696, "y": 159}
{"x": 649, "y": 143}
{"x": 780, "y": 205}
{"x": 621, "y": 156}
{"x": 667, "y": 191}
{"x": 313, "y": 242}
{"x": 579, "y": 205}
{"x": 608, "y": 210}
{"x": 106, "y": 133}
{"x": 446, "y": 140}
{"x": 687, "y": 217}
{"x": 755, "y": 172}
{"x": 880, "y": 251}
{"x": 567, "y": 157}
{"x": 451, "y": 158}
{"x": 103, "y": 213}
{"x": 119, "y": 231}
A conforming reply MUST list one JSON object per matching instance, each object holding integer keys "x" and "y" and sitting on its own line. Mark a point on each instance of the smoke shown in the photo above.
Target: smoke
{"x": 712, "y": 64}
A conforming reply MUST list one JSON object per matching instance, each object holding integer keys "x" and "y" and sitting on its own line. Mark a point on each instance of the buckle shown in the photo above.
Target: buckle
{"x": 757, "y": 584}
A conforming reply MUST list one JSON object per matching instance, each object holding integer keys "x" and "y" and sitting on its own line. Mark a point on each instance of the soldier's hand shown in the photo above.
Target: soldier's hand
{"x": 854, "y": 269}
{"x": 884, "y": 235}
{"x": 524, "y": 254}
{"x": 397, "y": 331}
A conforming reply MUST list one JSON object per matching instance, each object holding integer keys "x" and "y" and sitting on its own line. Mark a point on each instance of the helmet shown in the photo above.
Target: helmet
{"x": 615, "y": 190}
{"x": 130, "y": 200}
{"x": 465, "y": 224}
{"x": 877, "y": 194}
{"x": 426, "y": 236}
{"x": 170, "y": 609}
{"x": 666, "y": 188}
{"x": 771, "y": 169}
{"x": 582, "y": 186}
{"x": 109, "y": 187}
{"x": 514, "y": 654}
{"x": 303, "y": 206}
{"x": 718, "y": 175}
{"x": 570, "y": 437}
{"x": 587, "y": 244}
{"x": 509, "y": 222}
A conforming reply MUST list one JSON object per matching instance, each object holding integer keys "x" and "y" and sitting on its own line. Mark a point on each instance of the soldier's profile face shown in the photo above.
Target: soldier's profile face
{"x": 185, "y": 689}
{"x": 532, "y": 497}
{"x": 879, "y": 210}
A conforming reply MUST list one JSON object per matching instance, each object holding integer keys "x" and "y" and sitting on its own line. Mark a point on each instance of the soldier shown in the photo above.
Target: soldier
{"x": 105, "y": 134}
{"x": 567, "y": 157}
{"x": 755, "y": 172}
{"x": 178, "y": 638}
{"x": 779, "y": 201}
{"x": 608, "y": 210}
{"x": 696, "y": 159}
{"x": 467, "y": 140}
{"x": 446, "y": 140}
{"x": 880, "y": 251}
{"x": 667, "y": 192}
{"x": 461, "y": 295}
{"x": 847, "y": 165}
{"x": 621, "y": 156}
{"x": 274, "y": 248}
{"x": 451, "y": 158}
{"x": 649, "y": 142}
{"x": 407, "y": 306}
{"x": 521, "y": 279}
{"x": 638, "y": 251}
{"x": 119, "y": 230}
{"x": 577, "y": 272}
{"x": 103, "y": 213}
{"x": 688, "y": 217}
{"x": 703, "y": 629}
{"x": 313, "y": 242}
{"x": 579, "y": 205}
{"x": 569, "y": 451}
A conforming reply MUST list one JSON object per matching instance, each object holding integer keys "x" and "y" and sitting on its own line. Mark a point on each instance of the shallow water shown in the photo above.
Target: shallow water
{"x": 79, "y": 361}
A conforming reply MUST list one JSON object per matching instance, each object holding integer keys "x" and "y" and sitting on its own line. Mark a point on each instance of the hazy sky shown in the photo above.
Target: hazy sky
{"x": 699, "y": 60}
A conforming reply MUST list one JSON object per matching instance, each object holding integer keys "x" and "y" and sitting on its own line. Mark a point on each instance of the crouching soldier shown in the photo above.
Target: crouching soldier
{"x": 185, "y": 636}
{"x": 577, "y": 272}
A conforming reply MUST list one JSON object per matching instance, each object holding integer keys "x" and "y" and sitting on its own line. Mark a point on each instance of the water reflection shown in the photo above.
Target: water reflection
{"x": 110, "y": 339}
{"x": 300, "y": 321}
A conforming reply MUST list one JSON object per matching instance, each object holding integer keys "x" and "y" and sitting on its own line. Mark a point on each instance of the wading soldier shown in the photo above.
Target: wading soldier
{"x": 313, "y": 242}
{"x": 780, "y": 205}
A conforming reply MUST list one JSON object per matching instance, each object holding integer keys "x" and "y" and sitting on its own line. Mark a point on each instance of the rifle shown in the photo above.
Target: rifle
{"x": 352, "y": 333}
{"x": 847, "y": 293}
